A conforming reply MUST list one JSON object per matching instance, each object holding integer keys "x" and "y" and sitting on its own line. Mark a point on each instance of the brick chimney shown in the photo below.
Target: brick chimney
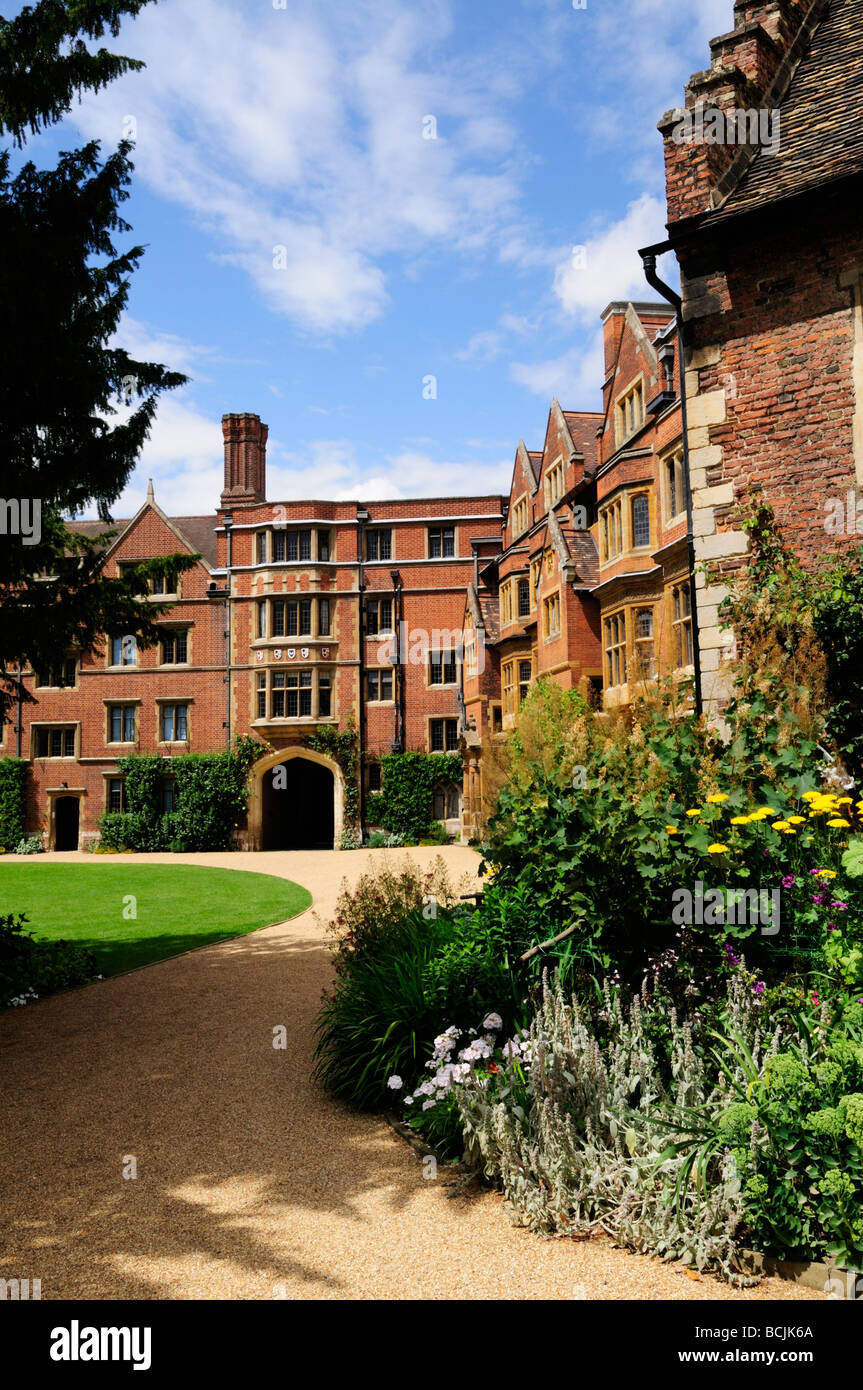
{"x": 749, "y": 70}
{"x": 245, "y": 459}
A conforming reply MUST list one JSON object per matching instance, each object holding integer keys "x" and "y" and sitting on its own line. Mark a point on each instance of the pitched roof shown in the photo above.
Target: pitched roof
{"x": 820, "y": 131}
{"x": 199, "y": 531}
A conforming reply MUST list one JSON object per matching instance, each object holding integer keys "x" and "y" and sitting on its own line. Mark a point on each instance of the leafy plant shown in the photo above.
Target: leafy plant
{"x": 13, "y": 791}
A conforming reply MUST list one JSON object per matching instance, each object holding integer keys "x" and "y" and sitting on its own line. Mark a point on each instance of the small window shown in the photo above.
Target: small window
{"x": 174, "y": 723}
{"x": 675, "y": 494}
{"x": 441, "y": 542}
{"x": 374, "y": 777}
{"x": 379, "y": 545}
{"x": 496, "y": 719}
{"x": 124, "y": 651}
{"x": 523, "y": 598}
{"x": 644, "y": 643}
{"x": 262, "y": 617}
{"x": 682, "y": 626}
{"x": 524, "y": 675}
{"x": 324, "y": 695}
{"x": 615, "y": 649}
{"x": 443, "y": 735}
{"x": 261, "y": 547}
{"x": 278, "y": 546}
{"x": 59, "y": 676}
{"x": 175, "y": 648}
{"x": 323, "y": 545}
{"x": 379, "y": 615}
{"x": 54, "y": 743}
{"x": 116, "y": 794}
{"x": 323, "y": 617}
{"x": 551, "y": 612}
{"x": 445, "y": 802}
{"x": 121, "y": 723}
{"x": 379, "y": 684}
{"x": 640, "y": 521}
{"x": 442, "y": 668}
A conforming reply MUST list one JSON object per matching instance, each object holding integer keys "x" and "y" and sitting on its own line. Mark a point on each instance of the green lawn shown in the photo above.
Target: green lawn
{"x": 178, "y": 907}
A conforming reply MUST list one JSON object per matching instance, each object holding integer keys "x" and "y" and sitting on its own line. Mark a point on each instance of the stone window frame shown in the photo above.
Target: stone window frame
{"x": 121, "y": 702}
{"x": 625, "y": 415}
{"x": 265, "y": 685}
{"x": 445, "y": 720}
{"x": 65, "y": 725}
{"x": 673, "y": 457}
{"x": 552, "y": 606}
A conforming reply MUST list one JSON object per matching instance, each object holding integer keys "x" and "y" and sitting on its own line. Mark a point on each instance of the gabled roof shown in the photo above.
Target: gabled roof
{"x": 820, "y": 131}
{"x": 526, "y": 468}
{"x": 196, "y": 534}
{"x": 485, "y": 612}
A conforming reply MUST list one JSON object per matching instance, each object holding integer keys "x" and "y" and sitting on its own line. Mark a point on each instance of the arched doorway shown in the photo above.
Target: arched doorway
{"x": 66, "y": 809}
{"x": 297, "y": 805}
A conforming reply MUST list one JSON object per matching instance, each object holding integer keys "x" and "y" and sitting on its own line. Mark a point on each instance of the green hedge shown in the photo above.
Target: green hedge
{"x": 13, "y": 792}
{"x": 210, "y": 796}
{"x": 404, "y": 803}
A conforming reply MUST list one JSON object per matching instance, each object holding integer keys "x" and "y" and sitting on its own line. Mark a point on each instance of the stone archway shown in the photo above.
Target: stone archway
{"x": 296, "y": 800}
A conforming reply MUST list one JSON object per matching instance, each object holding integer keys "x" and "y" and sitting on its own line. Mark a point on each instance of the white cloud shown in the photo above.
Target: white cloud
{"x": 607, "y": 266}
{"x": 303, "y": 130}
{"x": 575, "y": 377}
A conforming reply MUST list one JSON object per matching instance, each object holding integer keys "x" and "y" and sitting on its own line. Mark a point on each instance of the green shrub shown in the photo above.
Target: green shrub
{"x": 30, "y": 844}
{"x": 30, "y": 969}
{"x": 404, "y": 804}
{"x": 209, "y": 800}
{"x": 13, "y": 792}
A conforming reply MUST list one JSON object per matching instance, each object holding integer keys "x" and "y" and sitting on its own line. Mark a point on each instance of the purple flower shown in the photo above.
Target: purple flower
{"x": 767, "y": 854}
{"x": 818, "y": 898}
{"x": 840, "y": 907}
{"x": 759, "y": 988}
{"x": 788, "y": 881}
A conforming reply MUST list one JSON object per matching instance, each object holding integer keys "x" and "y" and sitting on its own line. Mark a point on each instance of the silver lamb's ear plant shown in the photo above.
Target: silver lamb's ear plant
{"x": 572, "y": 1135}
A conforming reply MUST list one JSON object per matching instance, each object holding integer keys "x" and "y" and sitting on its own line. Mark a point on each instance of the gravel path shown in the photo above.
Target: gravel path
{"x": 251, "y": 1183}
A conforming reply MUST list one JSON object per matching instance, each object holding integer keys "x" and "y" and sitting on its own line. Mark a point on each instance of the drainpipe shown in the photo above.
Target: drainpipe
{"x": 398, "y": 691}
{"x": 227, "y": 522}
{"x": 363, "y": 516}
{"x": 19, "y": 711}
{"x": 649, "y": 262}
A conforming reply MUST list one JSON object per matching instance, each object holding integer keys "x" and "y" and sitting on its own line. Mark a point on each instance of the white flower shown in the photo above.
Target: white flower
{"x": 395, "y": 1083}
{"x": 493, "y": 1021}
{"x": 427, "y": 1104}
{"x": 409, "y": 1100}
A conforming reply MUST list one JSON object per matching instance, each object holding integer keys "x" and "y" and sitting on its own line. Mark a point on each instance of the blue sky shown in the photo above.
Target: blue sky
{"x": 305, "y": 127}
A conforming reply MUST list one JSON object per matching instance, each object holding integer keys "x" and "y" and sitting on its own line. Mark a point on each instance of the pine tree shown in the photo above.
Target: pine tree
{"x": 63, "y": 287}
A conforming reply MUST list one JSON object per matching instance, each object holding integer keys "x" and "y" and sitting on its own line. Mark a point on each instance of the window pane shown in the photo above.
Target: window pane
{"x": 323, "y": 545}
{"x": 451, "y": 735}
{"x": 306, "y": 614}
{"x": 181, "y": 729}
{"x": 434, "y": 545}
{"x": 437, "y": 735}
{"x": 640, "y": 521}
{"x": 291, "y": 547}
{"x": 129, "y": 724}
{"x": 278, "y": 617}
{"x": 278, "y": 545}
{"x": 324, "y": 617}
{"x": 385, "y": 545}
{"x": 261, "y": 544}
{"x": 386, "y": 685}
{"x": 305, "y": 545}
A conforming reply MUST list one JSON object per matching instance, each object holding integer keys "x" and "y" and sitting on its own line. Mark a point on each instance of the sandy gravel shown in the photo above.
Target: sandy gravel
{"x": 251, "y": 1183}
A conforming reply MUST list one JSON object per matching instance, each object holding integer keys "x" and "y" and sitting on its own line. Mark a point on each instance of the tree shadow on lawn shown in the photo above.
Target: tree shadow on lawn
{"x": 244, "y": 1165}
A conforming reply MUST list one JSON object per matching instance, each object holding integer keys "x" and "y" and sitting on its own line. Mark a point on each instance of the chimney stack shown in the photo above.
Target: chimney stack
{"x": 245, "y": 459}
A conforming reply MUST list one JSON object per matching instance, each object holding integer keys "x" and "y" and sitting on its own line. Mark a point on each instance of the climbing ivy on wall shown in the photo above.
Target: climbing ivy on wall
{"x": 404, "y": 803}
{"x": 210, "y": 794}
{"x": 343, "y": 746}
{"x": 13, "y": 792}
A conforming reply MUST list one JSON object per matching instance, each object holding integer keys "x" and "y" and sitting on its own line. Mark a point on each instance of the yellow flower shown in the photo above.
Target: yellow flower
{"x": 693, "y": 813}
{"x": 840, "y": 824}
{"x": 741, "y": 820}
{"x": 825, "y": 873}
{"x": 790, "y": 831}
{"x": 810, "y": 796}
{"x": 718, "y": 796}
{"x": 844, "y": 801}
{"x": 766, "y": 811}
{"x": 671, "y": 829}
{"x": 796, "y": 820}
{"x": 780, "y": 825}
{"x": 717, "y": 849}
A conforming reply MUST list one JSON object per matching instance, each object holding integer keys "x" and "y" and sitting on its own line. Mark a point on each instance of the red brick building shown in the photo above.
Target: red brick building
{"x": 769, "y": 239}
{"x": 288, "y": 623}
{"x": 591, "y": 586}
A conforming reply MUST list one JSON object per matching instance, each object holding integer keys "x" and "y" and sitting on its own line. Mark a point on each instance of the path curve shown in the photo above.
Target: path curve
{"x": 251, "y": 1182}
